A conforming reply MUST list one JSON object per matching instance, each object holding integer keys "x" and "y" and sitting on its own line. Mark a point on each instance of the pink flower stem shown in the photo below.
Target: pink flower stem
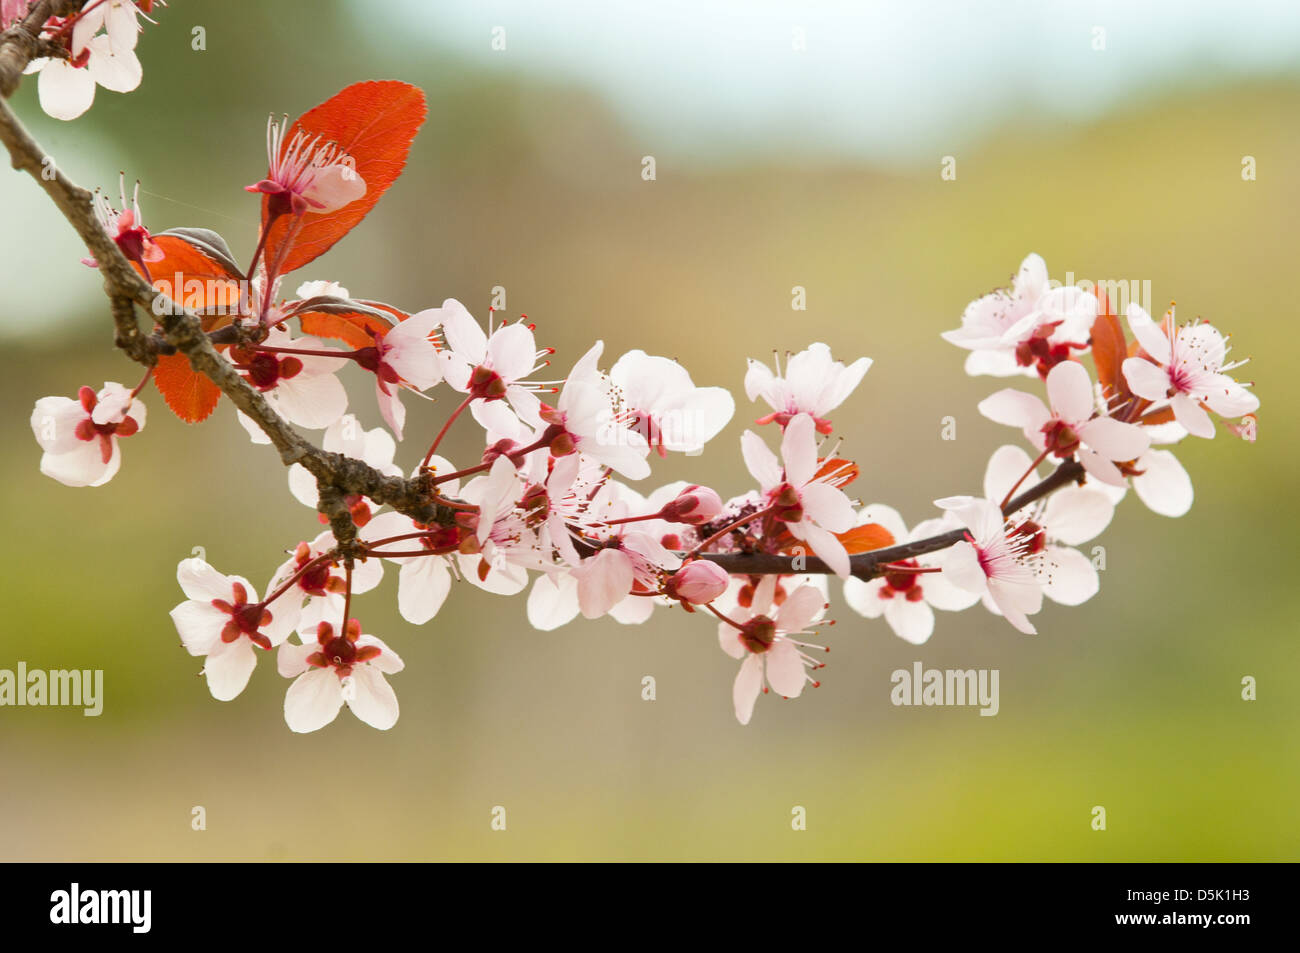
{"x": 433, "y": 447}
{"x": 514, "y": 455}
{"x": 302, "y": 570}
{"x": 730, "y": 622}
{"x": 1032, "y": 467}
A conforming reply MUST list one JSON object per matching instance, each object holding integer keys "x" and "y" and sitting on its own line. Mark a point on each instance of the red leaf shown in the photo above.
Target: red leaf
{"x": 194, "y": 279}
{"x": 358, "y": 330}
{"x": 374, "y": 123}
{"x": 1108, "y": 353}
{"x": 190, "y": 395}
{"x": 863, "y": 539}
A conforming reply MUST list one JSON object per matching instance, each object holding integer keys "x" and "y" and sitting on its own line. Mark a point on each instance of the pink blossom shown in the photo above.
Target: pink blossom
{"x": 1029, "y": 328}
{"x": 664, "y": 406}
{"x": 1187, "y": 366}
{"x": 406, "y": 358}
{"x": 126, "y": 228}
{"x": 1071, "y": 427}
{"x": 995, "y": 560}
{"x": 491, "y": 368}
{"x": 223, "y": 621}
{"x": 1068, "y": 518}
{"x": 305, "y": 174}
{"x": 80, "y": 437}
{"x": 813, "y": 384}
{"x": 813, "y": 508}
{"x": 333, "y": 670}
{"x": 907, "y": 599}
{"x": 767, "y": 645}
{"x": 303, "y": 389}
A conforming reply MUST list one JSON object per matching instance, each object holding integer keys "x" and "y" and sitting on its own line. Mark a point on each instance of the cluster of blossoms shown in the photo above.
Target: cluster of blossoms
{"x": 93, "y": 47}
{"x": 552, "y": 507}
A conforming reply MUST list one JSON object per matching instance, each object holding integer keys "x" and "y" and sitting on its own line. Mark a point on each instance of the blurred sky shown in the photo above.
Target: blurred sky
{"x": 891, "y": 81}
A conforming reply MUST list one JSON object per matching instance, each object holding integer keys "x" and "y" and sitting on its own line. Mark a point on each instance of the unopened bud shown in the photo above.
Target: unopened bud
{"x": 698, "y": 582}
{"x": 696, "y": 505}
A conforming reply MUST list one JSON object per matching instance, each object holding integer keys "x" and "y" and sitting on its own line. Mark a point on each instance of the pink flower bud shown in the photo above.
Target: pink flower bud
{"x": 696, "y": 505}
{"x": 698, "y": 582}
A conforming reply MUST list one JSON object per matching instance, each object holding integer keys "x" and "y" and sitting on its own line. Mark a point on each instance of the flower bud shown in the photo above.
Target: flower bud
{"x": 696, "y": 505}
{"x": 698, "y": 582}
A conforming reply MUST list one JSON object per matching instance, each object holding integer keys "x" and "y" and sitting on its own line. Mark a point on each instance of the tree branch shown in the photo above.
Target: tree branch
{"x": 867, "y": 565}
{"x": 181, "y": 328}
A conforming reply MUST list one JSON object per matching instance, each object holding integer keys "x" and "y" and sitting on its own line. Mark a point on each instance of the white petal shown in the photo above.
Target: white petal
{"x": 785, "y": 671}
{"x": 1071, "y": 577}
{"x": 228, "y": 668}
{"x": 1015, "y": 408}
{"x": 313, "y": 700}
{"x": 1076, "y": 515}
{"x": 744, "y": 691}
{"x": 761, "y": 461}
{"x": 1145, "y": 379}
{"x": 911, "y": 621}
{"x": 1164, "y": 485}
{"x": 373, "y": 700}
{"x": 1069, "y": 389}
{"x": 64, "y": 91}
{"x": 1114, "y": 439}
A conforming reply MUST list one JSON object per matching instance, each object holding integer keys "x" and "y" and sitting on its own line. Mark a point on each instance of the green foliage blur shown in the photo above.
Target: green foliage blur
{"x": 1132, "y": 702}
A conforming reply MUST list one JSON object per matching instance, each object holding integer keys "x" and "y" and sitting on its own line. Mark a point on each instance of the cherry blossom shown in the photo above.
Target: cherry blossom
{"x": 909, "y": 593}
{"x": 1072, "y": 426}
{"x": 126, "y": 228}
{"x": 316, "y": 581}
{"x": 587, "y": 419}
{"x": 491, "y": 368}
{"x": 81, "y": 437}
{"x": 302, "y": 388}
{"x": 66, "y": 87}
{"x": 1069, "y": 518}
{"x": 406, "y": 358}
{"x": 1186, "y": 365}
{"x": 762, "y": 636}
{"x": 332, "y": 670}
{"x": 813, "y": 384}
{"x": 306, "y": 174}
{"x": 1027, "y": 329}
{"x": 810, "y": 505}
{"x": 665, "y": 407}
{"x": 223, "y": 621}
{"x": 995, "y": 560}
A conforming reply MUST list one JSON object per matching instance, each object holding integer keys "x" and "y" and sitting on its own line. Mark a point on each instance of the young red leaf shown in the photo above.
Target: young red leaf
{"x": 373, "y": 123}
{"x": 198, "y": 277}
{"x": 190, "y": 395}
{"x": 863, "y": 539}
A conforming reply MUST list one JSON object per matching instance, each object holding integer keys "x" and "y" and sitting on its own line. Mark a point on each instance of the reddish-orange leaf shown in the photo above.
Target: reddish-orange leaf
{"x": 357, "y": 330}
{"x": 194, "y": 279}
{"x": 190, "y": 395}
{"x": 1108, "y": 352}
{"x": 863, "y": 539}
{"x": 374, "y": 123}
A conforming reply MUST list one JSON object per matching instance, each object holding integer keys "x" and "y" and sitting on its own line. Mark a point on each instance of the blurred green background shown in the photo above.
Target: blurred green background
{"x": 526, "y": 180}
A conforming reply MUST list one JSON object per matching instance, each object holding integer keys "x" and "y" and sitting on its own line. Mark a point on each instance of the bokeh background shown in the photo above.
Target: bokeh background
{"x": 775, "y": 168}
